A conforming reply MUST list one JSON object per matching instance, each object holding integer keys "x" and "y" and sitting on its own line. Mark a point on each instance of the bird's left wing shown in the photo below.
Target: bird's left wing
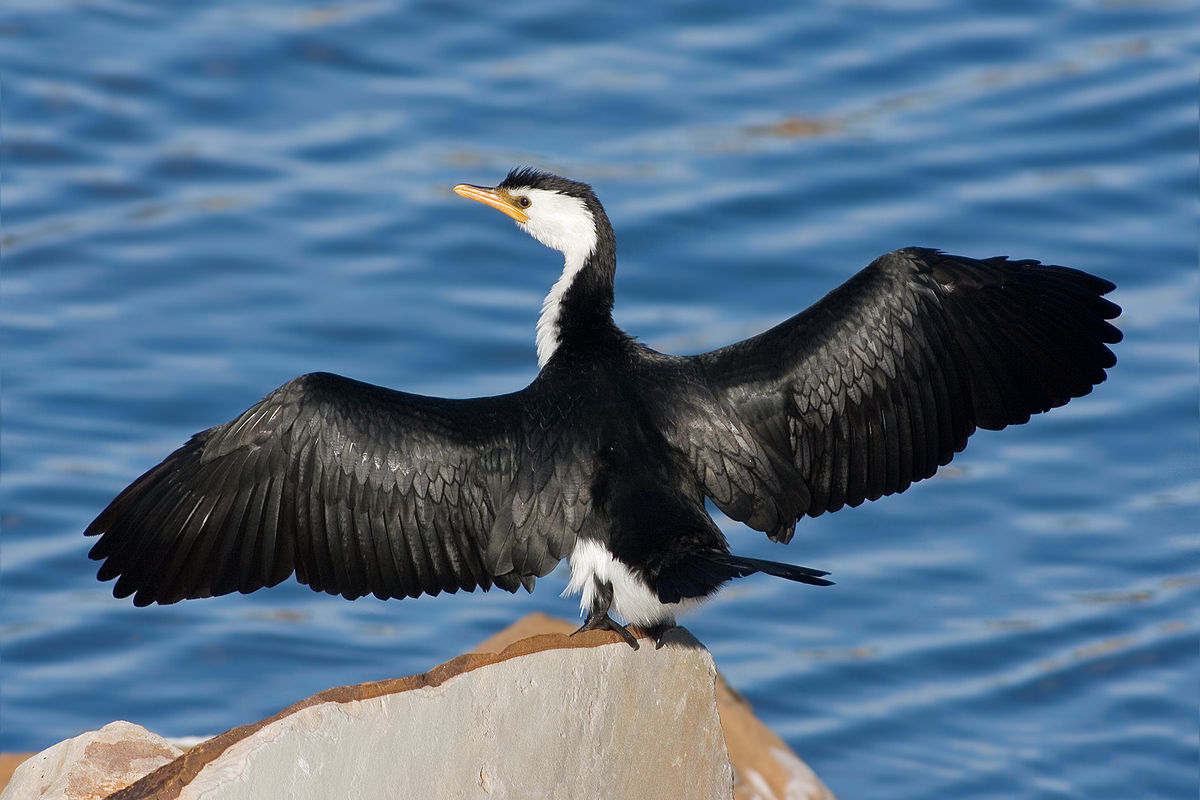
{"x": 882, "y": 381}
{"x": 355, "y": 488}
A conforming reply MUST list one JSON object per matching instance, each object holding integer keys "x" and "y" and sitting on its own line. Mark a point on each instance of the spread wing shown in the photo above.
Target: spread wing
{"x": 355, "y": 488}
{"x": 882, "y": 381}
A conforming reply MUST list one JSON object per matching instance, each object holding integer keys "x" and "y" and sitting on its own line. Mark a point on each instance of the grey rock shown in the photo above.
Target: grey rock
{"x": 550, "y": 717}
{"x": 91, "y": 765}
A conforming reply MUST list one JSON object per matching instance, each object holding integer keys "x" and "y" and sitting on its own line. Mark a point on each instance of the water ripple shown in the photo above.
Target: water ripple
{"x": 201, "y": 203}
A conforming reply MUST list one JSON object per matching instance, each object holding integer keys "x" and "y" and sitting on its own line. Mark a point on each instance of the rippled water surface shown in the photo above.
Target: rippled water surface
{"x": 203, "y": 200}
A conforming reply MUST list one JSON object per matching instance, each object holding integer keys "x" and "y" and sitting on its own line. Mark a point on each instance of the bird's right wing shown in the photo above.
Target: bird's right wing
{"x": 882, "y": 381}
{"x": 355, "y": 488}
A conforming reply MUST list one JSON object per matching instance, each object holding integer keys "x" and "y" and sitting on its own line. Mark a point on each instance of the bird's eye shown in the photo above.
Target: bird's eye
{"x": 524, "y": 202}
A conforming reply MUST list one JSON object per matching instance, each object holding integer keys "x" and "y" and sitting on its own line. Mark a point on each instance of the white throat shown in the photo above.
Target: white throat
{"x": 547, "y": 325}
{"x": 563, "y": 223}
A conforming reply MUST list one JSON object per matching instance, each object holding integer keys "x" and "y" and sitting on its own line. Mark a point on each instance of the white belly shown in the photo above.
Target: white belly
{"x": 633, "y": 601}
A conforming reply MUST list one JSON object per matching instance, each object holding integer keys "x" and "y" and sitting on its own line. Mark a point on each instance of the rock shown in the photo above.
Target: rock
{"x": 764, "y": 767}
{"x": 8, "y": 765}
{"x": 91, "y": 765}
{"x": 549, "y": 716}
{"x": 531, "y": 713}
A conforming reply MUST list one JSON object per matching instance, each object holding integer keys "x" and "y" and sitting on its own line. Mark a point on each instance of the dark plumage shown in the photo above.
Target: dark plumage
{"x": 608, "y": 455}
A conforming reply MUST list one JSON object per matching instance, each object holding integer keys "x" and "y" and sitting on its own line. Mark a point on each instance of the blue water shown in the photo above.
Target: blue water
{"x": 203, "y": 200}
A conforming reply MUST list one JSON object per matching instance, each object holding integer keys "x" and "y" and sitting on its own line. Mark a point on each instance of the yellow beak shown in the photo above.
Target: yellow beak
{"x": 496, "y": 198}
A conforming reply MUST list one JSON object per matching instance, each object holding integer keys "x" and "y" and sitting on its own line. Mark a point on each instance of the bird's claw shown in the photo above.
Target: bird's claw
{"x": 603, "y": 622}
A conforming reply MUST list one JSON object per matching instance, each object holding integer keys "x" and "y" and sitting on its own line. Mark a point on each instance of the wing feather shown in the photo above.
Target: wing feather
{"x": 354, "y": 488}
{"x": 883, "y": 380}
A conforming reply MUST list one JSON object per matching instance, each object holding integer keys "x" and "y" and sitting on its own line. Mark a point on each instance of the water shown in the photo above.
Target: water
{"x": 203, "y": 201}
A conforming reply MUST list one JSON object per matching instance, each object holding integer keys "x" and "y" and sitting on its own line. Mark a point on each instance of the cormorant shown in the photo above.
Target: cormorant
{"x": 608, "y": 455}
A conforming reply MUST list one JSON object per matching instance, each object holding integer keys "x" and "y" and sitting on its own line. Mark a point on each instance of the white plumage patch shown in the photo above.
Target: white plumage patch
{"x": 633, "y": 600}
{"x": 563, "y": 223}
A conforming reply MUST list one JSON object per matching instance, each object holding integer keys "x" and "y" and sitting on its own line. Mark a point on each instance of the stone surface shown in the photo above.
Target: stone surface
{"x": 92, "y": 765}
{"x": 551, "y": 716}
{"x": 8, "y": 765}
{"x": 531, "y": 712}
{"x": 764, "y": 767}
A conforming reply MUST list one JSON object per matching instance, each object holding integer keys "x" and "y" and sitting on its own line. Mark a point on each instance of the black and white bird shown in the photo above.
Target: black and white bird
{"x": 606, "y": 458}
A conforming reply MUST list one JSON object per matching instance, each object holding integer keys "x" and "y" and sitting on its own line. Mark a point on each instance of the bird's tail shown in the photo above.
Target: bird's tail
{"x": 741, "y": 566}
{"x": 702, "y": 573}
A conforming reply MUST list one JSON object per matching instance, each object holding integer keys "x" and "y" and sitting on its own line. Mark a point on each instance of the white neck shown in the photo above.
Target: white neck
{"x": 547, "y": 324}
{"x": 564, "y": 224}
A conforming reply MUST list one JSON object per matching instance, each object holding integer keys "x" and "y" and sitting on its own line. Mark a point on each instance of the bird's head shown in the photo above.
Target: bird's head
{"x": 566, "y": 216}
{"x": 560, "y": 213}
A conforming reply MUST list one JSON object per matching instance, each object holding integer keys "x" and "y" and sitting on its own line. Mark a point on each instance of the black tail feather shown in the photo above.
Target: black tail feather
{"x": 701, "y": 574}
{"x": 741, "y": 566}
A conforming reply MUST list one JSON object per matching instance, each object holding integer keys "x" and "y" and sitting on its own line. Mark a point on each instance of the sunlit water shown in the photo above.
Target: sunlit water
{"x": 201, "y": 201}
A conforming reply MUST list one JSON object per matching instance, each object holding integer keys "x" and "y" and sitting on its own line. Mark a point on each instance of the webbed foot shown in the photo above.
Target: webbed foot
{"x": 601, "y": 621}
{"x": 598, "y": 618}
{"x": 659, "y": 632}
